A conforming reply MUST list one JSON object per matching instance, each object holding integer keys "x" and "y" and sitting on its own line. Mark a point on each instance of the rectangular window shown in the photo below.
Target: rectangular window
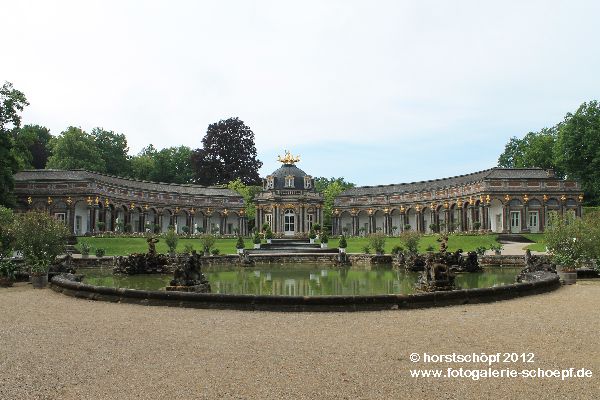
{"x": 62, "y": 217}
{"x": 310, "y": 220}
{"x": 269, "y": 220}
{"x": 289, "y": 181}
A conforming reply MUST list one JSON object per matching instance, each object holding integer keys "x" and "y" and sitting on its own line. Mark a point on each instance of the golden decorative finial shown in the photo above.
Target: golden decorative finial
{"x": 487, "y": 199}
{"x": 545, "y": 198}
{"x": 525, "y": 199}
{"x": 459, "y": 203}
{"x": 132, "y": 206}
{"x": 29, "y": 200}
{"x": 106, "y": 202}
{"x": 89, "y": 200}
{"x": 402, "y": 209}
{"x": 580, "y": 198}
{"x": 146, "y": 206}
{"x": 97, "y": 200}
{"x": 507, "y": 197}
{"x": 288, "y": 158}
{"x": 370, "y": 211}
{"x": 69, "y": 201}
{"x": 433, "y": 206}
{"x": 225, "y": 212}
{"x": 446, "y": 205}
{"x": 192, "y": 211}
{"x": 49, "y": 200}
{"x": 563, "y": 197}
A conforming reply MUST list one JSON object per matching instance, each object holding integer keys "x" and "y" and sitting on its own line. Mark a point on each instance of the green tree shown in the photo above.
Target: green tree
{"x": 12, "y": 103}
{"x": 228, "y": 153}
{"x": 578, "y": 148}
{"x": 172, "y": 165}
{"x": 32, "y": 146}
{"x": 113, "y": 150}
{"x": 536, "y": 149}
{"x": 248, "y": 192}
{"x": 330, "y": 188}
{"x": 74, "y": 149}
{"x": 143, "y": 164}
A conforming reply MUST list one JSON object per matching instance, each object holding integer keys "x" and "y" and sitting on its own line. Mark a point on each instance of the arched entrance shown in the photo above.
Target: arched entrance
{"x": 289, "y": 222}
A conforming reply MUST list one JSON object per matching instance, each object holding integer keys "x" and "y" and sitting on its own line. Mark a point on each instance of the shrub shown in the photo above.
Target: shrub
{"x": 367, "y": 249}
{"x": 101, "y": 225}
{"x": 215, "y": 252}
{"x": 312, "y": 234}
{"x": 128, "y": 228}
{"x": 377, "y": 241}
{"x": 342, "y": 244}
{"x": 85, "y": 247}
{"x": 411, "y": 240}
{"x": 188, "y": 248}
{"x": 240, "y": 243}
{"x": 185, "y": 229}
{"x": 199, "y": 229}
{"x": 208, "y": 241}
{"x": 269, "y": 234}
{"x": 256, "y": 239}
{"x": 433, "y": 227}
{"x": 316, "y": 227}
{"x": 100, "y": 252}
{"x": 397, "y": 250}
{"x": 266, "y": 227}
{"x": 8, "y": 269}
{"x": 568, "y": 240}
{"x": 476, "y": 225}
{"x": 480, "y": 250}
{"x": 41, "y": 238}
{"x": 324, "y": 237}
{"x": 407, "y": 227}
{"x": 7, "y": 238}
{"x": 429, "y": 248}
{"x": 171, "y": 240}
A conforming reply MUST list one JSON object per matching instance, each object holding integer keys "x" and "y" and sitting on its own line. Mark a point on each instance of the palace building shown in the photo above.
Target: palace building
{"x": 289, "y": 202}
{"x": 503, "y": 200}
{"x": 91, "y": 202}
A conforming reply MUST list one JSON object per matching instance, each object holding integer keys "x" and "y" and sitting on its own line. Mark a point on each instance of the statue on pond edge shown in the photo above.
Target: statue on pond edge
{"x": 188, "y": 276}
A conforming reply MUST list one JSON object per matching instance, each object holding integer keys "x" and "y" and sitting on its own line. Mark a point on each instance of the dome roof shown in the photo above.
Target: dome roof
{"x": 288, "y": 170}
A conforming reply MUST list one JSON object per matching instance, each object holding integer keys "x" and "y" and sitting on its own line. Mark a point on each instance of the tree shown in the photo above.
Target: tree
{"x": 248, "y": 192}
{"x": 172, "y": 165}
{"x": 536, "y": 149}
{"x": 12, "y": 102}
{"x": 74, "y": 149}
{"x": 113, "y": 150}
{"x": 228, "y": 153}
{"x": 143, "y": 164}
{"x": 32, "y": 146}
{"x": 578, "y": 148}
{"x": 330, "y": 188}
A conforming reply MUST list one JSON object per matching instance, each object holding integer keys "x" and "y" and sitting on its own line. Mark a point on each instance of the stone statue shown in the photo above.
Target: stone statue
{"x": 188, "y": 276}
{"x": 435, "y": 276}
{"x": 152, "y": 245}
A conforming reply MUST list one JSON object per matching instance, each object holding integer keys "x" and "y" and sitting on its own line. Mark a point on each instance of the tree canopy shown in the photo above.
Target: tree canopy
{"x": 12, "y": 102}
{"x": 330, "y": 188}
{"x": 571, "y": 148}
{"x": 73, "y": 149}
{"x": 228, "y": 153}
{"x": 113, "y": 150}
{"x": 32, "y": 146}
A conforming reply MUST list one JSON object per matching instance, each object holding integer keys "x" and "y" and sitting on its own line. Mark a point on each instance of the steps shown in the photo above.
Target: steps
{"x": 286, "y": 246}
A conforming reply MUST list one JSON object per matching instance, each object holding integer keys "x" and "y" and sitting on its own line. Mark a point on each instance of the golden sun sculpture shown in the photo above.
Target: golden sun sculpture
{"x": 288, "y": 158}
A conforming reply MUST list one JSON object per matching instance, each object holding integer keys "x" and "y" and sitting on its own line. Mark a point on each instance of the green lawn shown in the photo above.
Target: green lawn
{"x": 538, "y": 238}
{"x": 127, "y": 245}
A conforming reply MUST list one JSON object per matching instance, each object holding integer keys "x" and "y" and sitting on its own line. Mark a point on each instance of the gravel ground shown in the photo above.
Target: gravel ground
{"x": 57, "y": 347}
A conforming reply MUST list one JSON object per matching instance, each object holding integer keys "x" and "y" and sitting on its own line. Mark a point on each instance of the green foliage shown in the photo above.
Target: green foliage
{"x": 8, "y": 269}
{"x": 407, "y": 227}
{"x": 228, "y": 153}
{"x": 316, "y": 227}
{"x": 112, "y": 148}
{"x": 269, "y": 234}
{"x": 312, "y": 234}
{"x": 256, "y": 238}
{"x": 240, "y": 243}
{"x": 366, "y": 249}
{"x": 188, "y": 248}
{"x": 571, "y": 241}
{"x": 208, "y": 241}
{"x": 410, "y": 240}
{"x": 324, "y": 238}
{"x": 41, "y": 238}
{"x": 397, "y": 250}
{"x": 534, "y": 150}
{"x": 100, "y": 252}
{"x": 248, "y": 193}
{"x": 377, "y": 241}
{"x": 433, "y": 227}
{"x": 496, "y": 246}
{"x": 430, "y": 248}
{"x": 172, "y": 165}
{"x": 143, "y": 163}
{"x": 476, "y": 225}
{"x": 85, "y": 247}
{"x": 74, "y": 149}
{"x": 480, "y": 250}
{"x": 215, "y": 252}
{"x": 343, "y": 243}
{"x": 171, "y": 240}
{"x": 12, "y": 103}
{"x": 7, "y": 239}
{"x": 185, "y": 229}
{"x": 330, "y": 188}
{"x": 32, "y": 146}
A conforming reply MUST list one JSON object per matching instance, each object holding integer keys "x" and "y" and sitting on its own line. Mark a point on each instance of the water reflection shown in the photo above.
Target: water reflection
{"x": 303, "y": 280}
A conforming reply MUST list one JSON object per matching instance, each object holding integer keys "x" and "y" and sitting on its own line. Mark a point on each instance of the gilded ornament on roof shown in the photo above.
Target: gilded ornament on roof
{"x": 288, "y": 158}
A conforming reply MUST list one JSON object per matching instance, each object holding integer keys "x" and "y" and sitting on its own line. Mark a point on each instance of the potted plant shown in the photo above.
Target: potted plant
{"x": 256, "y": 240}
{"x": 362, "y": 230}
{"x": 171, "y": 240}
{"x": 407, "y": 227}
{"x": 566, "y": 239}
{"x": 497, "y": 248}
{"x": 316, "y": 227}
{"x": 208, "y": 241}
{"x": 185, "y": 229}
{"x": 433, "y": 227}
{"x": 394, "y": 229}
{"x": 312, "y": 235}
{"x": 377, "y": 241}
{"x": 240, "y": 245}
{"x": 41, "y": 239}
{"x": 100, "y": 252}
{"x": 215, "y": 252}
{"x": 476, "y": 225}
{"x": 101, "y": 226}
{"x": 342, "y": 244}
{"x": 269, "y": 235}
{"x": 324, "y": 240}
{"x": 85, "y": 249}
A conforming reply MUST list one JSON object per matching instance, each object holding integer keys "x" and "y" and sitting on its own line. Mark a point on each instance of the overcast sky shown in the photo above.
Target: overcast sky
{"x": 378, "y": 92}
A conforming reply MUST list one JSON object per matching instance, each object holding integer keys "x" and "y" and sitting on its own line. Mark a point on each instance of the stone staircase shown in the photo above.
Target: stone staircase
{"x": 286, "y": 246}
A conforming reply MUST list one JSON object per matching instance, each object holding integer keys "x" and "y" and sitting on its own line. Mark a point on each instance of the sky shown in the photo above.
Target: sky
{"x": 377, "y": 92}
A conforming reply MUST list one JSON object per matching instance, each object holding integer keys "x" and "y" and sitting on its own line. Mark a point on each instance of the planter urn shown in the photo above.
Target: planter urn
{"x": 342, "y": 250}
{"x": 257, "y": 245}
{"x": 323, "y": 245}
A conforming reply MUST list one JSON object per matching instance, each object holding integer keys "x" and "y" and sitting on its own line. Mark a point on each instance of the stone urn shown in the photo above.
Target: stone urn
{"x": 269, "y": 241}
{"x": 323, "y": 245}
{"x": 240, "y": 251}
{"x": 342, "y": 250}
{"x": 312, "y": 241}
{"x": 257, "y": 245}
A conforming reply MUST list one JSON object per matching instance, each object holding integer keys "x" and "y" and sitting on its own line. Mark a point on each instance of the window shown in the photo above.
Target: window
{"x": 270, "y": 182}
{"x": 307, "y": 182}
{"x": 289, "y": 181}
{"x": 62, "y": 217}
{"x": 310, "y": 220}
{"x": 289, "y": 221}
{"x": 269, "y": 220}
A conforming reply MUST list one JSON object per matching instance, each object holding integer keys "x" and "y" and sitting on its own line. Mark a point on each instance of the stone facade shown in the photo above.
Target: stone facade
{"x": 91, "y": 202}
{"x": 289, "y": 202}
{"x": 502, "y": 200}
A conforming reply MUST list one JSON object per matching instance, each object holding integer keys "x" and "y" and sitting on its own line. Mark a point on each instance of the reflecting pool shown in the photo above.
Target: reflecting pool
{"x": 302, "y": 280}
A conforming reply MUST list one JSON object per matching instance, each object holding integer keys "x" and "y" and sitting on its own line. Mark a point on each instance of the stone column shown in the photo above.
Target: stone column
{"x": 524, "y": 221}
{"x": 355, "y": 225}
{"x": 447, "y": 221}
{"x": 91, "y": 219}
{"x": 71, "y": 219}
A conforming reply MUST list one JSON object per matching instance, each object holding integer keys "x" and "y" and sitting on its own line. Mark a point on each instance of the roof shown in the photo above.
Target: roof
{"x": 39, "y": 175}
{"x": 288, "y": 170}
{"x": 436, "y": 184}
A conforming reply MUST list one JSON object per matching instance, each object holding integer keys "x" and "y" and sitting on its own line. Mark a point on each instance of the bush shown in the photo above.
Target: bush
{"x": 171, "y": 240}
{"x": 343, "y": 243}
{"x": 269, "y": 234}
{"x": 433, "y": 227}
{"x": 316, "y": 227}
{"x": 7, "y": 238}
{"x": 41, "y": 238}
{"x": 85, "y": 247}
{"x": 476, "y": 225}
{"x": 411, "y": 240}
{"x": 367, "y": 249}
{"x": 571, "y": 241}
{"x": 429, "y": 248}
{"x": 256, "y": 239}
{"x": 100, "y": 252}
{"x": 199, "y": 229}
{"x": 185, "y": 229}
{"x": 208, "y": 241}
{"x": 188, "y": 248}
{"x": 101, "y": 225}
{"x": 397, "y": 250}
{"x": 312, "y": 234}
{"x": 215, "y": 252}
{"x": 480, "y": 250}
{"x": 240, "y": 243}
{"x": 8, "y": 269}
{"x": 266, "y": 227}
{"x": 324, "y": 237}
{"x": 407, "y": 227}
{"x": 377, "y": 241}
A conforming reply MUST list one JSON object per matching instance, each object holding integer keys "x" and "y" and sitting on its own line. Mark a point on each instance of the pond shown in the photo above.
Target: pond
{"x": 302, "y": 280}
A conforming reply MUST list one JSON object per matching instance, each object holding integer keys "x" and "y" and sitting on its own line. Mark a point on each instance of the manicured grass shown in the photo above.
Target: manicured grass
{"x": 538, "y": 238}
{"x": 127, "y": 245}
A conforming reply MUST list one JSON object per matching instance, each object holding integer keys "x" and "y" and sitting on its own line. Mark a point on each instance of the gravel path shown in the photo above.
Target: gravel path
{"x": 57, "y": 347}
